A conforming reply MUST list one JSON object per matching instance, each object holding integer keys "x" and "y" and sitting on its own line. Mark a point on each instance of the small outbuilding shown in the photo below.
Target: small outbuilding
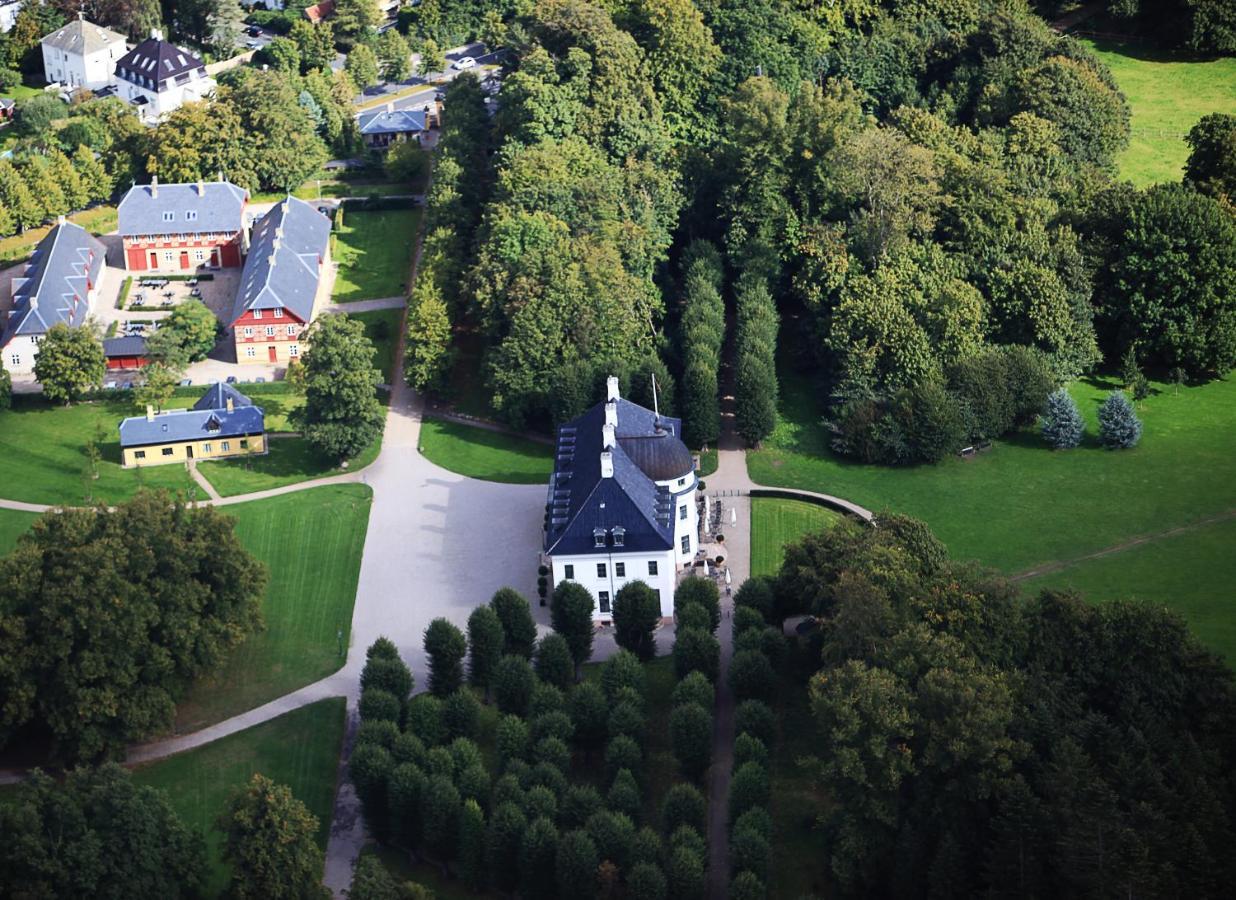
{"x": 223, "y": 424}
{"x": 128, "y": 352}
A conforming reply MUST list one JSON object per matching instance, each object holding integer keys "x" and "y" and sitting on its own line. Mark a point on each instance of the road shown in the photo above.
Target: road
{"x": 431, "y": 84}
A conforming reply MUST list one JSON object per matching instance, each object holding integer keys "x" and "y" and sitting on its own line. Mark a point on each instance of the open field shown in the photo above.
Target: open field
{"x": 776, "y": 523}
{"x": 488, "y": 455}
{"x": 374, "y": 252}
{"x": 1191, "y": 572}
{"x": 43, "y": 454}
{"x": 311, "y": 542}
{"x": 1021, "y": 504}
{"x": 299, "y": 749}
{"x": 13, "y": 525}
{"x": 1167, "y": 94}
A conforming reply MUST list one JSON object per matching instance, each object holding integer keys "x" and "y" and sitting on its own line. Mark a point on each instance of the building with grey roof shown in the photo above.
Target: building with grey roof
{"x": 282, "y": 284}
{"x": 182, "y": 227}
{"x": 223, "y": 423}
{"x": 157, "y": 77}
{"x": 384, "y": 127}
{"x": 82, "y": 55}
{"x": 59, "y": 284}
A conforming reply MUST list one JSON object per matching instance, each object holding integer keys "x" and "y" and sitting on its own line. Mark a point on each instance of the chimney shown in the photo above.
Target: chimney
{"x": 149, "y": 413}
{"x": 611, "y": 387}
{"x": 230, "y": 406}
{"x": 390, "y": 107}
{"x": 201, "y": 188}
{"x": 607, "y": 436}
{"x": 154, "y": 185}
{"x": 156, "y": 33}
{"x": 60, "y": 220}
{"x": 611, "y": 413}
{"x": 607, "y": 464}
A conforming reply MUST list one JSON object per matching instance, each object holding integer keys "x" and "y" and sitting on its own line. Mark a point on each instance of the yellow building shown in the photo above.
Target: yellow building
{"x": 224, "y": 423}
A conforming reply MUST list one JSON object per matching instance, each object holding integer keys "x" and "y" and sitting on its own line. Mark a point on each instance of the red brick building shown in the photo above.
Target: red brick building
{"x": 183, "y": 227}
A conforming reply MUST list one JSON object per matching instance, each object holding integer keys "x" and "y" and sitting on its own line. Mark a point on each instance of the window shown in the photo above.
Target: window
{"x": 600, "y": 570}
{"x": 257, "y": 314}
{"x": 620, "y": 569}
{"x": 190, "y": 215}
{"x": 248, "y": 331}
{"x": 168, "y": 451}
{"x": 652, "y": 567}
{"x": 270, "y": 332}
{"x": 278, "y": 314}
{"x": 250, "y": 352}
{"x": 681, "y": 482}
{"x": 139, "y": 454}
{"x": 291, "y": 329}
{"x": 598, "y": 537}
{"x": 568, "y": 572}
{"x": 16, "y": 358}
{"x": 226, "y": 445}
{"x": 620, "y": 536}
{"x": 169, "y": 217}
{"x": 293, "y": 350}
{"x": 686, "y": 543}
{"x": 603, "y": 596}
{"x": 682, "y": 513}
{"x": 244, "y": 444}
{"x": 205, "y": 448}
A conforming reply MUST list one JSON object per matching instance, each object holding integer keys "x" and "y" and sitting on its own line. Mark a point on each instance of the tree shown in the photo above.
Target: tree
{"x": 445, "y": 648}
{"x": 589, "y": 713}
{"x": 395, "y": 55}
{"x": 341, "y": 415}
{"x": 370, "y": 768}
{"x": 507, "y": 827}
{"x": 354, "y": 17}
{"x": 157, "y": 387}
{"x": 316, "y": 44}
{"x": 1211, "y": 167}
{"x": 362, "y": 65}
{"x": 433, "y": 59}
{"x": 752, "y": 676}
{"x": 571, "y": 616}
{"x": 748, "y": 789}
{"x": 518, "y": 626}
{"x": 623, "y": 672}
{"x": 690, "y": 728}
{"x": 6, "y": 388}
{"x": 637, "y": 613}
{"x": 747, "y": 886}
{"x": 70, "y": 361}
{"x": 226, "y": 23}
{"x": 472, "y": 846}
{"x": 95, "y": 180}
{"x": 17, "y": 198}
{"x": 37, "y": 114}
{"x": 283, "y": 54}
{"x": 683, "y": 805}
{"x": 538, "y": 853}
{"x": 195, "y": 328}
{"x": 1062, "y": 425}
{"x": 554, "y": 664}
{"x": 60, "y": 168}
{"x": 440, "y": 809}
{"x": 97, "y": 835}
{"x": 645, "y": 881}
{"x": 385, "y": 670}
{"x": 270, "y": 840}
{"x": 1119, "y": 426}
{"x": 695, "y": 688}
{"x": 624, "y": 795}
{"x": 685, "y": 872}
{"x": 695, "y": 650}
{"x": 1092, "y": 116}
{"x": 513, "y": 683}
{"x": 485, "y": 640}
{"x": 576, "y": 866}
{"x": 701, "y": 591}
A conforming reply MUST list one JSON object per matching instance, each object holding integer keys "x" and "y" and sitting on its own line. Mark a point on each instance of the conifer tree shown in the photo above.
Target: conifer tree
{"x": 1119, "y": 426}
{"x": 1062, "y": 424}
{"x": 472, "y": 846}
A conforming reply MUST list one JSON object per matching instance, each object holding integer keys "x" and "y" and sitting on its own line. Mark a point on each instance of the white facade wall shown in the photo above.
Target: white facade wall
{"x": 606, "y": 573}
{"x": 685, "y": 525}
{"x": 92, "y": 71}
{"x": 18, "y": 354}
{"x": 160, "y": 103}
{"x": 8, "y": 14}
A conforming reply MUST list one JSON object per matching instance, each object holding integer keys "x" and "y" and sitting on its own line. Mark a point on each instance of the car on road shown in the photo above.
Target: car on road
{"x": 253, "y": 45}
{"x": 464, "y": 62}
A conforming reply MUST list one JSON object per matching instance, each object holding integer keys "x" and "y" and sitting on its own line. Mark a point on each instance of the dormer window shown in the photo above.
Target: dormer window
{"x": 169, "y": 216}
{"x": 278, "y": 313}
{"x": 257, "y": 314}
{"x": 190, "y": 215}
{"x": 598, "y": 537}
{"x": 620, "y": 536}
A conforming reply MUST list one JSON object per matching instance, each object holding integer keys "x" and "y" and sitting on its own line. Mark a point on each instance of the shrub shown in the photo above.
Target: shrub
{"x": 378, "y": 705}
{"x": 554, "y": 664}
{"x": 512, "y": 685}
{"x": 695, "y": 650}
{"x": 622, "y": 670}
{"x": 1062, "y": 424}
{"x": 748, "y": 788}
{"x": 695, "y": 688}
{"x": 752, "y": 676}
{"x": 637, "y": 613}
{"x": 690, "y": 727}
{"x": 683, "y": 805}
{"x": 755, "y": 718}
{"x": 702, "y": 591}
{"x": 1119, "y": 426}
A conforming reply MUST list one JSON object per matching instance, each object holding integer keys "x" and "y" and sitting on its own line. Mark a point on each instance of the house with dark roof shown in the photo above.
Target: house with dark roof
{"x": 182, "y": 227}
{"x": 127, "y": 352}
{"x": 621, "y": 505}
{"x": 82, "y": 55}
{"x": 223, "y": 424}
{"x": 381, "y": 128}
{"x": 282, "y": 285}
{"x": 157, "y": 77}
{"x": 59, "y": 283}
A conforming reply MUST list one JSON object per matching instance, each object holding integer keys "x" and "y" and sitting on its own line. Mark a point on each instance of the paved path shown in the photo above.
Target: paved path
{"x": 360, "y": 306}
{"x": 203, "y": 483}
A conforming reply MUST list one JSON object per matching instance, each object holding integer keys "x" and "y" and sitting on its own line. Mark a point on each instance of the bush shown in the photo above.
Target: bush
{"x": 1119, "y": 426}
{"x": 1062, "y": 425}
{"x": 695, "y": 650}
{"x": 379, "y": 705}
{"x": 622, "y": 670}
{"x": 554, "y": 664}
{"x": 752, "y": 676}
{"x": 695, "y": 688}
{"x": 756, "y": 719}
{"x": 512, "y": 685}
{"x": 748, "y": 789}
{"x": 690, "y": 727}
{"x": 683, "y": 805}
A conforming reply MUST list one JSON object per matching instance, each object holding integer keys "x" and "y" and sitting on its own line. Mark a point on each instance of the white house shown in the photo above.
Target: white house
{"x": 82, "y": 55}
{"x": 158, "y": 77}
{"x": 59, "y": 283}
{"x": 8, "y": 13}
{"x": 621, "y": 504}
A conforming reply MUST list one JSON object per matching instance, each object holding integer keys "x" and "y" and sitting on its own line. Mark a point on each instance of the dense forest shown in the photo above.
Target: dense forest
{"x": 925, "y": 190}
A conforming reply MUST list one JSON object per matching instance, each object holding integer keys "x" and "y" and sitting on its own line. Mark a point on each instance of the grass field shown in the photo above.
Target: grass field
{"x": 483, "y": 454}
{"x": 1167, "y": 95}
{"x": 299, "y": 749}
{"x": 1191, "y": 572}
{"x": 1021, "y": 504}
{"x": 290, "y": 460}
{"x": 311, "y": 542}
{"x": 374, "y": 252}
{"x": 775, "y": 523}
{"x": 382, "y": 327}
{"x": 13, "y": 525}
{"x": 43, "y": 455}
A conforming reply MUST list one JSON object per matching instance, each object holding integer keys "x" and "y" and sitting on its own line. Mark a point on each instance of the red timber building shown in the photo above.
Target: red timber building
{"x": 183, "y": 227}
{"x": 282, "y": 286}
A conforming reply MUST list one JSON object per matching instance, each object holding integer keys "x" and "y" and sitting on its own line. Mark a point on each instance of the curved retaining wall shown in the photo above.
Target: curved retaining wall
{"x": 834, "y": 503}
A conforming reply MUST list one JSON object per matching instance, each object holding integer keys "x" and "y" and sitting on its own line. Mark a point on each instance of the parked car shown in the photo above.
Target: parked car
{"x": 253, "y": 31}
{"x": 110, "y": 385}
{"x": 253, "y": 45}
{"x": 261, "y": 379}
{"x": 186, "y": 382}
{"x": 464, "y": 62}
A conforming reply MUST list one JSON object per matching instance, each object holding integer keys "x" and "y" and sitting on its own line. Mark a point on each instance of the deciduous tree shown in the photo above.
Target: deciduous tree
{"x": 70, "y": 361}
{"x": 341, "y": 415}
{"x": 270, "y": 840}
{"x": 445, "y": 647}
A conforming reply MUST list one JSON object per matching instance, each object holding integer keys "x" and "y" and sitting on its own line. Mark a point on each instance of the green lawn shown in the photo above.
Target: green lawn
{"x": 1020, "y": 503}
{"x": 43, "y": 455}
{"x": 1191, "y": 572}
{"x": 488, "y": 455}
{"x": 299, "y": 749}
{"x": 775, "y": 523}
{"x": 1167, "y": 94}
{"x": 374, "y": 252}
{"x": 311, "y": 542}
{"x": 13, "y": 525}
{"x": 708, "y": 462}
{"x": 289, "y": 460}
{"x": 382, "y": 327}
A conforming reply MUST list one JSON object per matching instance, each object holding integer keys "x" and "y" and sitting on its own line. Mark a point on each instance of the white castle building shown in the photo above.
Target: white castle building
{"x": 621, "y": 504}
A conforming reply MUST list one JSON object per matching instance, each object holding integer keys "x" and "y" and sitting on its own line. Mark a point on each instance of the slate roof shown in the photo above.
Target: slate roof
{"x": 282, "y": 269}
{"x": 218, "y": 208}
{"x": 156, "y": 62}
{"x": 129, "y": 345}
{"x": 82, "y": 37}
{"x": 54, "y": 286}
{"x": 398, "y": 121}
{"x": 193, "y": 424}
{"x": 580, "y": 500}
{"x": 217, "y": 396}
